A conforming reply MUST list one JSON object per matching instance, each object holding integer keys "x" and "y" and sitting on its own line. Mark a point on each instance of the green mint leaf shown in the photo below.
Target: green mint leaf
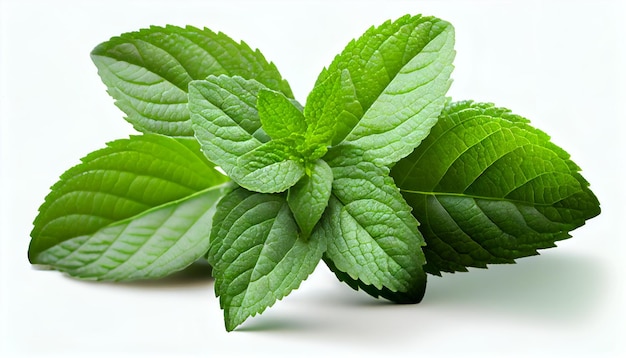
{"x": 400, "y": 73}
{"x": 271, "y": 168}
{"x": 372, "y": 236}
{"x": 230, "y": 130}
{"x": 150, "y": 245}
{"x": 225, "y": 118}
{"x": 147, "y": 72}
{"x": 256, "y": 253}
{"x": 309, "y": 197}
{"x": 489, "y": 188}
{"x": 332, "y": 108}
{"x": 280, "y": 118}
{"x": 137, "y": 209}
{"x": 413, "y": 296}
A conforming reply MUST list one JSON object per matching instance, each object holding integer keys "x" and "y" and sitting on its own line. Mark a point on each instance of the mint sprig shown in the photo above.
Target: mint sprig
{"x": 378, "y": 175}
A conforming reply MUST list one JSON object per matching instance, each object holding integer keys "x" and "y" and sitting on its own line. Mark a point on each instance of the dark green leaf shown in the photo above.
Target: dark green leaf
{"x": 489, "y": 188}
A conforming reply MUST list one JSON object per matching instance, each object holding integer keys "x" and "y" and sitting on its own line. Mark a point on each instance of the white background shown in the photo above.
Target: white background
{"x": 559, "y": 63}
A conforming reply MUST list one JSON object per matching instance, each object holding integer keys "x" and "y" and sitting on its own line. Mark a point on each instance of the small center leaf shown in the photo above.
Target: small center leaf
{"x": 279, "y": 116}
{"x": 271, "y": 168}
{"x": 309, "y": 197}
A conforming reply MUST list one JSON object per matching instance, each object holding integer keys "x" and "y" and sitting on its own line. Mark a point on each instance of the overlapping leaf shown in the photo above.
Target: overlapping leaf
{"x": 139, "y": 208}
{"x": 271, "y": 168}
{"x": 225, "y": 118}
{"x": 489, "y": 188}
{"x": 257, "y": 255}
{"x": 227, "y": 121}
{"x": 400, "y": 73}
{"x": 148, "y": 71}
{"x": 372, "y": 238}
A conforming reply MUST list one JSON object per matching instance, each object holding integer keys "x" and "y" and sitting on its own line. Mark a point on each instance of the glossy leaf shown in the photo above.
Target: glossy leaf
{"x": 489, "y": 188}
{"x": 400, "y": 72}
{"x": 139, "y": 208}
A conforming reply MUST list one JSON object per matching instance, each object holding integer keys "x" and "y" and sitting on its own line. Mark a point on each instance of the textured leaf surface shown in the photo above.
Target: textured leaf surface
{"x": 280, "y": 118}
{"x": 135, "y": 209}
{"x": 148, "y": 71}
{"x": 489, "y": 188}
{"x": 372, "y": 236}
{"x": 256, "y": 253}
{"x": 309, "y": 197}
{"x": 332, "y": 108}
{"x": 271, "y": 168}
{"x": 400, "y": 72}
{"x": 150, "y": 245}
{"x": 225, "y": 119}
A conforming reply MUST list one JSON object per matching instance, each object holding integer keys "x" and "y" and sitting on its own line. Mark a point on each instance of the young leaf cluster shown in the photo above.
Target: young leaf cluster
{"x": 378, "y": 174}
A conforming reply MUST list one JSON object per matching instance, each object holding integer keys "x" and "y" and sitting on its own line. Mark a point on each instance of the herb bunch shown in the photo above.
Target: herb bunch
{"x": 379, "y": 174}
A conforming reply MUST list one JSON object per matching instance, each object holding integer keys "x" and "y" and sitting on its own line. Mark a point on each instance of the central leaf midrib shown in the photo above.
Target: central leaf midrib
{"x": 392, "y": 257}
{"x": 477, "y": 197}
{"x": 384, "y": 90}
{"x": 127, "y": 220}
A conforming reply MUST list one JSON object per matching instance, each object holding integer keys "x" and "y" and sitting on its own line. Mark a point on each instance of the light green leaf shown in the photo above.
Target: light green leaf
{"x": 371, "y": 234}
{"x": 148, "y": 71}
{"x": 136, "y": 209}
{"x": 225, "y": 118}
{"x": 309, "y": 197}
{"x": 400, "y": 73}
{"x": 271, "y": 168}
{"x": 150, "y": 245}
{"x": 332, "y": 109}
{"x": 489, "y": 188}
{"x": 256, "y": 253}
{"x": 280, "y": 118}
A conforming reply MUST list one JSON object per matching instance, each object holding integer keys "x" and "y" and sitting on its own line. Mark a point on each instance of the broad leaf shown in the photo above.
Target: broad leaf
{"x": 400, "y": 72}
{"x": 225, "y": 118}
{"x": 309, "y": 197}
{"x": 139, "y": 208}
{"x": 372, "y": 236}
{"x": 489, "y": 188}
{"x": 256, "y": 253}
{"x": 271, "y": 168}
{"x": 148, "y": 71}
{"x": 280, "y": 118}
